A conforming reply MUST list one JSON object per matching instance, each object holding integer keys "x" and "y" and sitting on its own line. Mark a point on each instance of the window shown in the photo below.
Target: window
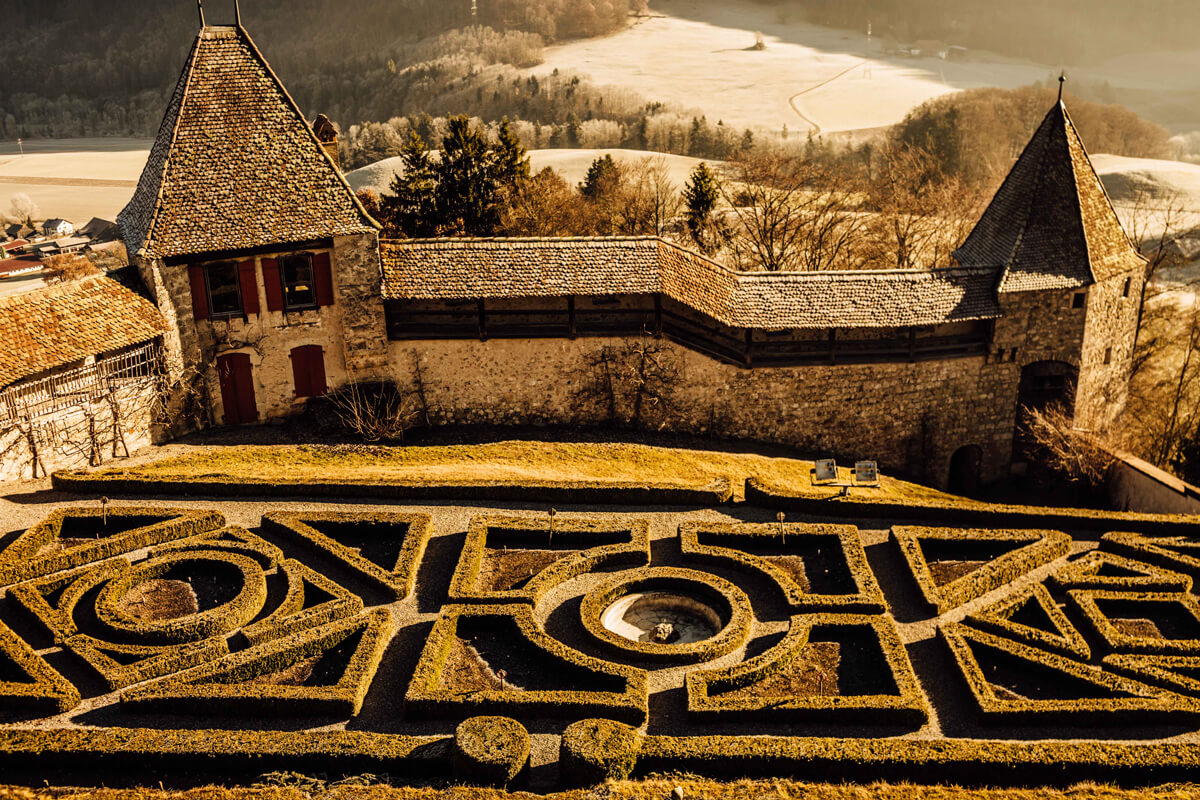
{"x": 299, "y": 289}
{"x": 308, "y": 370}
{"x": 1127, "y": 287}
{"x": 1108, "y": 355}
{"x": 1078, "y": 300}
{"x": 224, "y": 294}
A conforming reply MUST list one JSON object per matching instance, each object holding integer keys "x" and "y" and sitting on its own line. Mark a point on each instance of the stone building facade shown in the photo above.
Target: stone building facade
{"x": 277, "y": 288}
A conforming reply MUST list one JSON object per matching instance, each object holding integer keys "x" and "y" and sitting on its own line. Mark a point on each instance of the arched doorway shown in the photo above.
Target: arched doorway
{"x": 1043, "y": 384}
{"x": 965, "y": 467}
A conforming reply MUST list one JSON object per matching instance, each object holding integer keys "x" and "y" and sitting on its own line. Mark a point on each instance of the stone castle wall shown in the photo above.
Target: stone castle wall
{"x": 909, "y": 417}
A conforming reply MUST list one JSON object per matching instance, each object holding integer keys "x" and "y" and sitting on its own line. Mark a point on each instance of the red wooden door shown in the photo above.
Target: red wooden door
{"x": 237, "y": 388}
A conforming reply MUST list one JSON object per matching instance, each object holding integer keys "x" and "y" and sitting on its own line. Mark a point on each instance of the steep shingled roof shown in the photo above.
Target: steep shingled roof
{"x": 459, "y": 269}
{"x": 57, "y": 325}
{"x": 235, "y": 165}
{"x": 1051, "y": 225}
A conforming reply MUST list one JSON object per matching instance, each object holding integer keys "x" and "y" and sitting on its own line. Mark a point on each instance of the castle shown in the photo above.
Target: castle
{"x": 276, "y": 287}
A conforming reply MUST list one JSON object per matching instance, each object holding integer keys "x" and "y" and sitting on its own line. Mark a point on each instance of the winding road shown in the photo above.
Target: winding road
{"x": 815, "y": 128}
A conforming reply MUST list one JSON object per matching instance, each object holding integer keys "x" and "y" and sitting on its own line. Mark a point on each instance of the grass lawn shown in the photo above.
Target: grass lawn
{"x": 626, "y": 790}
{"x": 500, "y": 461}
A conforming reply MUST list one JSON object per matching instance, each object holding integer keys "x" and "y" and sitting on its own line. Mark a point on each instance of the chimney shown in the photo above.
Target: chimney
{"x": 327, "y": 135}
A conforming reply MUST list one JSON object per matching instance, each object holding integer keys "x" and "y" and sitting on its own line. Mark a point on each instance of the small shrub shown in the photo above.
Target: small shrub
{"x": 490, "y": 750}
{"x": 596, "y": 750}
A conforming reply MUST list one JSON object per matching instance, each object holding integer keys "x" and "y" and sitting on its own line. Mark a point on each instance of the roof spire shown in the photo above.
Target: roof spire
{"x": 1062, "y": 79}
{"x": 237, "y": 13}
{"x": 200, "y": 8}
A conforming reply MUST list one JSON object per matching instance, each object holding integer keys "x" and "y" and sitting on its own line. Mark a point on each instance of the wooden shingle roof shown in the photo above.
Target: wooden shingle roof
{"x": 60, "y": 324}
{"x": 1051, "y": 225}
{"x": 461, "y": 269}
{"x": 235, "y": 165}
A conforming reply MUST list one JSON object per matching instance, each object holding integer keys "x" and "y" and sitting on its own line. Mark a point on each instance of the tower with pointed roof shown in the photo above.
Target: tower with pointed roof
{"x": 1068, "y": 278}
{"x": 250, "y": 240}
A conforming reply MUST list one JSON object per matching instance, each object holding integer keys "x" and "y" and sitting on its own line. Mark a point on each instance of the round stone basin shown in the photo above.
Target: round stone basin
{"x": 666, "y": 614}
{"x": 662, "y": 618}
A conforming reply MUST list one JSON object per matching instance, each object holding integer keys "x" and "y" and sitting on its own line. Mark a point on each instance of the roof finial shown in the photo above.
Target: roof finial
{"x": 1062, "y": 79}
{"x": 200, "y": 8}
{"x": 237, "y": 13}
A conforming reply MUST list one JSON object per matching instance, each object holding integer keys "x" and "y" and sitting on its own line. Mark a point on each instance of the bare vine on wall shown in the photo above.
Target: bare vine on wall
{"x": 633, "y": 383}
{"x": 382, "y": 410}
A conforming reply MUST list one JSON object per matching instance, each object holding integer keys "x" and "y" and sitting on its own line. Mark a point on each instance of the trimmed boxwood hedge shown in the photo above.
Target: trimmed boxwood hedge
{"x": 633, "y": 551}
{"x": 491, "y": 751}
{"x": 908, "y": 706}
{"x": 217, "y": 621}
{"x": 734, "y": 536}
{"x": 1085, "y": 574}
{"x": 291, "y": 615}
{"x": 1147, "y": 705}
{"x": 1153, "y": 550}
{"x": 231, "y": 539}
{"x": 427, "y": 698}
{"x": 996, "y": 619}
{"x": 761, "y": 493}
{"x": 1169, "y": 672}
{"x": 223, "y": 687}
{"x": 1086, "y": 601}
{"x": 666, "y": 493}
{"x": 597, "y": 750}
{"x": 224, "y": 755}
{"x": 399, "y": 581}
{"x": 21, "y": 561}
{"x": 711, "y": 588}
{"x": 1041, "y": 548}
{"x": 957, "y": 761}
{"x": 46, "y": 691}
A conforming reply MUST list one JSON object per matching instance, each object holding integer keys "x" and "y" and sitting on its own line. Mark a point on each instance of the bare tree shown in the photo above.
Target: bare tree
{"x": 633, "y": 383}
{"x": 648, "y": 202}
{"x": 68, "y": 267}
{"x": 1164, "y": 398}
{"x": 918, "y": 213}
{"x": 1078, "y": 456}
{"x": 23, "y": 209}
{"x": 788, "y": 214}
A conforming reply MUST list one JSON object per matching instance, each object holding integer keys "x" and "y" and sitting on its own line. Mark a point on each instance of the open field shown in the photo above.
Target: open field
{"x": 500, "y": 461}
{"x": 697, "y": 54}
{"x": 76, "y": 179}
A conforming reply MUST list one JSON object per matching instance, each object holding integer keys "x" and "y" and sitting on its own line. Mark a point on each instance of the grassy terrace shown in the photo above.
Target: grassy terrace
{"x": 625, "y": 790}
{"x": 635, "y": 464}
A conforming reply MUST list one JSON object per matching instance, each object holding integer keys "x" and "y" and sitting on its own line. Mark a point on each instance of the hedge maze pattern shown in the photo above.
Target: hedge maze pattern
{"x": 441, "y": 638}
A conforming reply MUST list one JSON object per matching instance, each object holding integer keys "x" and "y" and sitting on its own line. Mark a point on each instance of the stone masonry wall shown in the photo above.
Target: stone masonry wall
{"x": 910, "y": 417}
{"x": 1107, "y": 355}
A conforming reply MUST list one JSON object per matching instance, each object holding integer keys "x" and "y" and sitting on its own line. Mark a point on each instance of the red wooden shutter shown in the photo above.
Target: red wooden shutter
{"x": 249, "y": 282}
{"x": 323, "y": 278}
{"x": 199, "y": 291}
{"x": 316, "y": 370}
{"x": 308, "y": 370}
{"x": 271, "y": 282}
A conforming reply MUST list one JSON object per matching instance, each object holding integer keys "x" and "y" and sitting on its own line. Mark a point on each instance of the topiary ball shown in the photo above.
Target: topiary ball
{"x": 490, "y": 750}
{"x": 596, "y": 750}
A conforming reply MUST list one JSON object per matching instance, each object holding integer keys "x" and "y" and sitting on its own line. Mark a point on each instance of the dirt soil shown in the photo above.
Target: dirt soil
{"x": 793, "y": 567}
{"x": 158, "y": 598}
{"x": 502, "y": 570}
{"x": 466, "y": 671}
{"x": 1138, "y": 627}
{"x": 945, "y": 572}
{"x": 295, "y": 675}
{"x": 812, "y": 674}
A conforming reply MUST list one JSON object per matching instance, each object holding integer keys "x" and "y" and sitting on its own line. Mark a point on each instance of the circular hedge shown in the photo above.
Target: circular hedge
{"x": 218, "y": 621}
{"x": 729, "y": 601}
{"x": 596, "y": 750}
{"x": 490, "y": 750}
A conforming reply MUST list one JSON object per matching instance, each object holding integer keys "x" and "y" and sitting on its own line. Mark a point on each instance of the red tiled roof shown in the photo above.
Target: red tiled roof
{"x": 13, "y": 245}
{"x": 11, "y": 265}
{"x": 235, "y": 165}
{"x": 1051, "y": 225}
{"x": 60, "y": 324}
{"x": 461, "y": 269}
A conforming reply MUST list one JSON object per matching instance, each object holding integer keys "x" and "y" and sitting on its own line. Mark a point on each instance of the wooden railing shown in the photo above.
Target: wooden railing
{"x": 405, "y": 323}
{"x": 88, "y": 384}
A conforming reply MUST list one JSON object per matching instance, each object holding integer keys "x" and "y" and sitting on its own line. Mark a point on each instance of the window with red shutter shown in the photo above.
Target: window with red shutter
{"x": 199, "y": 291}
{"x": 270, "y": 271}
{"x": 308, "y": 370}
{"x": 249, "y": 283}
{"x": 323, "y": 277}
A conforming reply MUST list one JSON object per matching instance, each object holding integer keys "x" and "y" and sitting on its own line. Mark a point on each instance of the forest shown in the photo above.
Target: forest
{"x": 106, "y": 67}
